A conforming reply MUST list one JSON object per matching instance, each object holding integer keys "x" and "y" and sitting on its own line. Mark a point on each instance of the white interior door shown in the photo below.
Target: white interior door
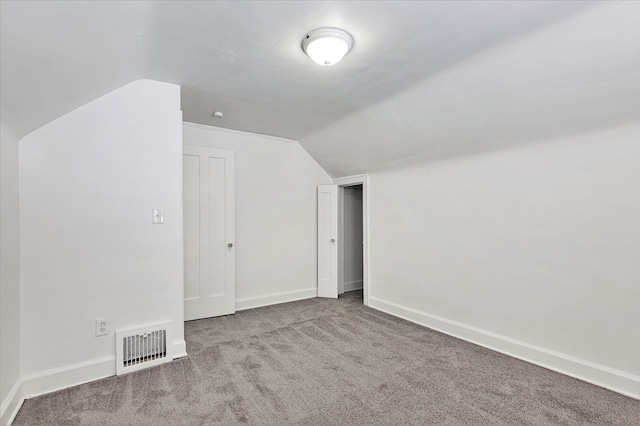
{"x": 327, "y": 241}
{"x": 208, "y": 221}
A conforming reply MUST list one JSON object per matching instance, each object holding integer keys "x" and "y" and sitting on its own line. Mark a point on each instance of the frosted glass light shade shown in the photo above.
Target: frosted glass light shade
{"x": 327, "y": 46}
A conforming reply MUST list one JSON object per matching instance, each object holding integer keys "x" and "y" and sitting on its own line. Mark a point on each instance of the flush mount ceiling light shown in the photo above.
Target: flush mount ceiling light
{"x": 326, "y": 46}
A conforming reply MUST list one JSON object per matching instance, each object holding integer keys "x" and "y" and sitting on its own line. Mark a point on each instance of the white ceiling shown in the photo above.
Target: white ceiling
{"x": 425, "y": 80}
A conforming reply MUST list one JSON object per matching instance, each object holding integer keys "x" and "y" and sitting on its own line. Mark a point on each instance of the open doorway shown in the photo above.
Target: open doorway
{"x": 351, "y": 239}
{"x": 331, "y": 232}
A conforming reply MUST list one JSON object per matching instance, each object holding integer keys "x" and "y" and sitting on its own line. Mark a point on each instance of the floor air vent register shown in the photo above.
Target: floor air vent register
{"x": 142, "y": 347}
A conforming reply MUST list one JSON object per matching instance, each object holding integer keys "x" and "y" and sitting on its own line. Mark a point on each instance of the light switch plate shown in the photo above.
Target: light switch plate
{"x": 157, "y": 216}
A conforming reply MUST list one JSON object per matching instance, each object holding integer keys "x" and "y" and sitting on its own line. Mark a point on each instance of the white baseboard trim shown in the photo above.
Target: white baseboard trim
{"x": 53, "y": 380}
{"x": 11, "y": 404}
{"x": 352, "y": 285}
{"x": 179, "y": 349}
{"x": 275, "y": 298}
{"x": 60, "y": 378}
{"x": 600, "y": 375}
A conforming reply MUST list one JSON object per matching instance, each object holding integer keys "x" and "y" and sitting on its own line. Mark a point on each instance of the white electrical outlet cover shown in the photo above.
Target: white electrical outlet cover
{"x": 102, "y": 326}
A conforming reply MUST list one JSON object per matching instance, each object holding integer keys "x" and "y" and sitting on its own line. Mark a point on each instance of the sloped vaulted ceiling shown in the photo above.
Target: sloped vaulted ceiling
{"x": 425, "y": 80}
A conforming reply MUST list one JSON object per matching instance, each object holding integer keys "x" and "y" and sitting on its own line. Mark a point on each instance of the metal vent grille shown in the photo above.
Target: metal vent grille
{"x": 142, "y": 347}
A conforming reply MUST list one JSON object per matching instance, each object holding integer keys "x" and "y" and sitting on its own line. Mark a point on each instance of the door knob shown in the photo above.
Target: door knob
{"x": 333, "y": 241}
{"x": 230, "y": 245}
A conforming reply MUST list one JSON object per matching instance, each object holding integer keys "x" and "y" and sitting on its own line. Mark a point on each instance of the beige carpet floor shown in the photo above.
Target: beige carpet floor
{"x": 331, "y": 362}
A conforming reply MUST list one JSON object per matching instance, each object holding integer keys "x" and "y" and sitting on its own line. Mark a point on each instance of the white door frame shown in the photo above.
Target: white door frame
{"x": 342, "y": 183}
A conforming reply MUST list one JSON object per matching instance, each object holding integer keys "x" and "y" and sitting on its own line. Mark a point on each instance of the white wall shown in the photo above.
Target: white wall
{"x": 88, "y": 183}
{"x": 9, "y": 270}
{"x": 275, "y": 192}
{"x": 539, "y": 244}
{"x": 352, "y": 237}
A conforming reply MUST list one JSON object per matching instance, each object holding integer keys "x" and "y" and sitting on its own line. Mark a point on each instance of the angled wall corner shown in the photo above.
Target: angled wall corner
{"x": 9, "y": 273}
{"x": 563, "y": 80}
{"x": 89, "y": 181}
{"x": 532, "y": 252}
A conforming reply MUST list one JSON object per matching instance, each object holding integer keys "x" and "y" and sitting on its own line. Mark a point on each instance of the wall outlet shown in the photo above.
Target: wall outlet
{"x": 103, "y": 326}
